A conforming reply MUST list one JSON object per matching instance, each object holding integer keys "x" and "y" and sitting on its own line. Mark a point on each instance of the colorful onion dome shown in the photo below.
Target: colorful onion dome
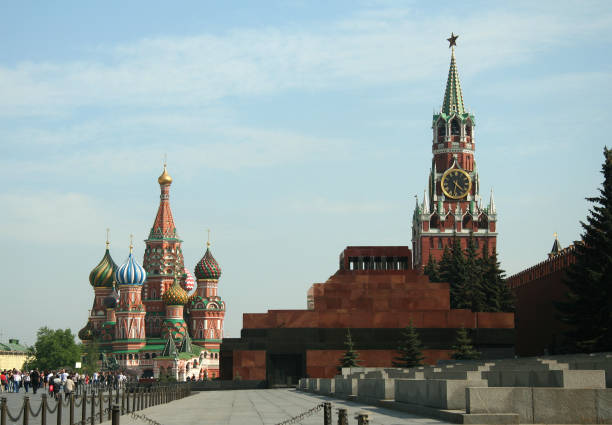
{"x": 165, "y": 178}
{"x": 189, "y": 282}
{"x": 175, "y": 295}
{"x": 130, "y": 273}
{"x": 207, "y": 267}
{"x": 86, "y": 333}
{"x": 103, "y": 275}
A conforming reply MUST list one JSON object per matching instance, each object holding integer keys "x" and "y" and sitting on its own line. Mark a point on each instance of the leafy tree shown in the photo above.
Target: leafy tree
{"x": 432, "y": 270}
{"x": 55, "y": 349}
{"x": 588, "y": 309}
{"x": 351, "y": 357}
{"x": 409, "y": 349}
{"x": 91, "y": 355}
{"x": 463, "y": 348}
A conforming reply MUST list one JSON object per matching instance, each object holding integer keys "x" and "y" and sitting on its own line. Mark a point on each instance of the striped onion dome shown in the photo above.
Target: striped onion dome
{"x": 102, "y": 276}
{"x": 130, "y": 273}
{"x": 207, "y": 267}
{"x": 175, "y": 295}
{"x": 189, "y": 282}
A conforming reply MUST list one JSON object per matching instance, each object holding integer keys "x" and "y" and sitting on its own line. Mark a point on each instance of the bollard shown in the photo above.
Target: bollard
{"x": 342, "y": 417}
{"x": 59, "y": 410}
{"x": 84, "y": 408}
{"x": 123, "y": 403}
{"x": 362, "y": 419}
{"x": 327, "y": 413}
{"x": 43, "y": 409}
{"x": 133, "y": 399}
{"x": 93, "y": 409}
{"x": 26, "y": 410}
{"x": 71, "y": 409}
{"x": 110, "y": 402}
{"x": 3, "y": 411}
{"x": 115, "y": 415}
{"x": 101, "y": 404}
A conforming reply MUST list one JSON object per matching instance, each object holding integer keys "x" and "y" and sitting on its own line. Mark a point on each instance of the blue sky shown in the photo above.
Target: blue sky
{"x": 292, "y": 130}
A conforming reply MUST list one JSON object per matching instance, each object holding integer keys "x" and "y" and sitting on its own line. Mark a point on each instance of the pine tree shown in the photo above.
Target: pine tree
{"x": 350, "y": 358}
{"x": 464, "y": 350}
{"x": 498, "y": 295}
{"x": 452, "y": 270}
{"x": 432, "y": 270}
{"x": 473, "y": 279}
{"x": 588, "y": 309}
{"x": 409, "y": 349}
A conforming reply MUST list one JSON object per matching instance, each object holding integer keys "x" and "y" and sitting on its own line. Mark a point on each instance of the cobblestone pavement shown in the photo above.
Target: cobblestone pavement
{"x": 265, "y": 407}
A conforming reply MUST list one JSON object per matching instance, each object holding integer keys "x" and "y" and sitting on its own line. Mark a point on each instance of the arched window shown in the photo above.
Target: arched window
{"x": 441, "y": 131}
{"x": 455, "y": 127}
{"x": 468, "y": 129}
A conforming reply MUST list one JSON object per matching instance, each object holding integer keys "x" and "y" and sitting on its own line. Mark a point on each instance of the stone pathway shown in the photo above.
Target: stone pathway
{"x": 265, "y": 407}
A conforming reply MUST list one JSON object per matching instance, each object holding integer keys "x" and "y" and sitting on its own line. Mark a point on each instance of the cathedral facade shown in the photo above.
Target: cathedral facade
{"x": 452, "y": 205}
{"x": 144, "y": 317}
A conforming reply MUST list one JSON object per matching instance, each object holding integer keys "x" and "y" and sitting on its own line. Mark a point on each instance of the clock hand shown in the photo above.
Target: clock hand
{"x": 458, "y": 187}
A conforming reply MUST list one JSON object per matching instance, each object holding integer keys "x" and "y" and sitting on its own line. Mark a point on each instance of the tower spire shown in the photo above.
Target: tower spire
{"x": 453, "y": 97}
{"x": 107, "y": 241}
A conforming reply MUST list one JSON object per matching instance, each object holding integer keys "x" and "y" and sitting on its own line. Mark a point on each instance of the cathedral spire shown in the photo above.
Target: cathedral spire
{"x": 164, "y": 227}
{"x": 453, "y": 97}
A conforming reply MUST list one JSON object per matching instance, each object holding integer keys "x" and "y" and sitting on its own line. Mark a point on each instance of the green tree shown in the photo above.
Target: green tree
{"x": 498, "y": 295}
{"x": 452, "y": 270}
{"x": 55, "y": 349}
{"x": 350, "y": 358}
{"x": 91, "y": 356}
{"x": 463, "y": 348}
{"x": 410, "y": 352}
{"x": 474, "y": 294}
{"x": 588, "y": 309}
{"x": 432, "y": 270}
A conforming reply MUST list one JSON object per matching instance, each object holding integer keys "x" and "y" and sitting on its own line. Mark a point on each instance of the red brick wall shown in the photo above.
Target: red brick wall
{"x": 250, "y": 364}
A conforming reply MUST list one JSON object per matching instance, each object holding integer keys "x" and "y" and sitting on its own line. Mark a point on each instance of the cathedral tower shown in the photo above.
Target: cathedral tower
{"x": 163, "y": 259}
{"x": 452, "y": 205}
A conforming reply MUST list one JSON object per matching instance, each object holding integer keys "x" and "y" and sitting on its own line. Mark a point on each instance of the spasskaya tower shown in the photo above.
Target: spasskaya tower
{"x": 452, "y": 205}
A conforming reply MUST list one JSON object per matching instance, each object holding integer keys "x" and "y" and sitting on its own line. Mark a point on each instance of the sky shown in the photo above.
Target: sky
{"x": 292, "y": 129}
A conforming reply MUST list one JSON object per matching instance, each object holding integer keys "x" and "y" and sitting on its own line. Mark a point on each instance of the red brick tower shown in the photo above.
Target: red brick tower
{"x": 163, "y": 259}
{"x": 452, "y": 205}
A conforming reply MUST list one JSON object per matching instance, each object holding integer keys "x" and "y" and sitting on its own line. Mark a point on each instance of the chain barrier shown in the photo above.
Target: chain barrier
{"x": 52, "y": 411}
{"x": 37, "y": 412}
{"x": 302, "y": 415}
{"x": 144, "y": 418}
{"x": 15, "y": 419}
{"x": 76, "y": 401}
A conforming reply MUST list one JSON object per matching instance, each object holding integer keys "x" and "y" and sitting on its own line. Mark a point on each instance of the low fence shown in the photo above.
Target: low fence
{"x": 94, "y": 408}
{"x": 218, "y": 384}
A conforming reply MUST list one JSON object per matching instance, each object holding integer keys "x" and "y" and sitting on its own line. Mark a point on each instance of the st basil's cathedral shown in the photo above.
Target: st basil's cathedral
{"x": 144, "y": 317}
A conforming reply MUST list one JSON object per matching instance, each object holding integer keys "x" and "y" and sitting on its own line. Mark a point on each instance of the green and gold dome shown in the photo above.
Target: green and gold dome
{"x": 175, "y": 295}
{"x": 103, "y": 275}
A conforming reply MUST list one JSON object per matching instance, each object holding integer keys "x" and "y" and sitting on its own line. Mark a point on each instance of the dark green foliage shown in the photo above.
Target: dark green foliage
{"x": 588, "y": 309}
{"x": 432, "y": 270}
{"x": 409, "y": 349}
{"x": 91, "y": 355}
{"x": 55, "y": 349}
{"x": 351, "y": 357}
{"x": 474, "y": 295}
{"x": 452, "y": 270}
{"x": 463, "y": 348}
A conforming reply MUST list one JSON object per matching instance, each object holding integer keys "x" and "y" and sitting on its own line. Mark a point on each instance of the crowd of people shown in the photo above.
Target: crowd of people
{"x": 58, "y": 382}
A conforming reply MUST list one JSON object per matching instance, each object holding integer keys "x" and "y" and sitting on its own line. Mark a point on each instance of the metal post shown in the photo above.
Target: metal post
{"x": 134, "y": 400}
{"x": 327, "y": 413}
{"x": 93, "y": 409}
{"x": 342, "y": 417}
{"x": 101, "y": 402}
{"x": 59, "y": 410}
{"x": 71, "y": 409}
{"x": 110, "y": 402}
{"x": 3, "y": 411}
{"x": 123, "y": 403}
{"x": 43, "y": 409}
{"x": 362, "y": 419}
{"x": 26, "y": 410}
{"x": 84, "y": 408}
{"x": 116, "y": 414}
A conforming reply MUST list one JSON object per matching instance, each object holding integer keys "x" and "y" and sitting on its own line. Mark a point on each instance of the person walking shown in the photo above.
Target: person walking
{"x": 3, "y": 381}
{"x": 68, "y": 387}
{"x": 16, "y": 381}
{"x": 26, "y": 381}
{"x": 35, "y": 380}
{"x": 57, "y": 384}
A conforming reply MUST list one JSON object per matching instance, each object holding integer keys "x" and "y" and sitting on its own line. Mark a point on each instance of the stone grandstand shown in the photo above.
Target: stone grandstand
{"x": 551, "y": 389}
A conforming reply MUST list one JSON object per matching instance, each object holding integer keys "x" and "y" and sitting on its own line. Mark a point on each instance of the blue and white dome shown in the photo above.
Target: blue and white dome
{"x": 130, "y": 273}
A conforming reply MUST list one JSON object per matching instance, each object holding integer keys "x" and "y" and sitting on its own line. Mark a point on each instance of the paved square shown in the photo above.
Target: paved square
{"x": 265, "y": 407}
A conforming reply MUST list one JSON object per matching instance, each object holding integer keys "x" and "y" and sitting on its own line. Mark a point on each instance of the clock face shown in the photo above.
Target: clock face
{"x": 456, "y": 183}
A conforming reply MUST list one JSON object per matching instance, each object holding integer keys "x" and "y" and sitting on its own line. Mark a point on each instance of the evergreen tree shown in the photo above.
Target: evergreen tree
{"x": 588, "y": 309}
{"x": 452, "y": 270}
{"x": 463, "y": 348}
{"x": 473, "y": 279}
{"x": 409, "y": 349}
{"x": 350, "y": 358}
{"x": 498, "y": 295}
{"x": 432, "y": 270}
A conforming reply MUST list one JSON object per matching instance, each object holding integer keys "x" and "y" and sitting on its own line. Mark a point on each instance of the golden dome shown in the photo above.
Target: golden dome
{"x": 165, "y": 177}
